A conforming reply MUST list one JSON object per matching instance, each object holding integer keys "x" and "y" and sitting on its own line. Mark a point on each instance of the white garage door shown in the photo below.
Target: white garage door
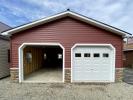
{"x": 92, "y": 64}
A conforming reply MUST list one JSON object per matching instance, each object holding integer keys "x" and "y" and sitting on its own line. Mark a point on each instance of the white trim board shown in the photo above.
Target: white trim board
{"x": 20, "y": 52}
{"x": 127, "y": 50}
{"x": 113, "y": 60}
{"x": 62, "y": 15}
{"x": 14, "y": 68}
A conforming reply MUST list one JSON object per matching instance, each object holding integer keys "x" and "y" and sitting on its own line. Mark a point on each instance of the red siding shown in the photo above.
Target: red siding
{"x": 66, "y": 31}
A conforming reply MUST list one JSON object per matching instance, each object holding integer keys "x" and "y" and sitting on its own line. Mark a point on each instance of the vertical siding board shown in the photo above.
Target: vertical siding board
{"x": 4, "y": 64}
{"x": 66, "y": 31}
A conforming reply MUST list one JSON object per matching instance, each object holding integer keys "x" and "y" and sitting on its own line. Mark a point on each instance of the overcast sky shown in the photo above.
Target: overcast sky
{"x": 118, "y": 13}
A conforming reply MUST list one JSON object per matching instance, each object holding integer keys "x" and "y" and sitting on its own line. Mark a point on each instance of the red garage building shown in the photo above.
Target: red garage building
{"x": 66, "y": 47}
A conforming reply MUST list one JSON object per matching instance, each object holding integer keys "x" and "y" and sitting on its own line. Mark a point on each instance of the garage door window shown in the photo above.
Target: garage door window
{"x": 77, "y": 54}
{"x": 96, "y": 55}
{"x": 87, "y": 55}
{"x": 105, "y": 55}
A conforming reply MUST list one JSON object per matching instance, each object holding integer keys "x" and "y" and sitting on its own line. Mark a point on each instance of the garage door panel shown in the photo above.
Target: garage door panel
{"x": 85, "y": 77}
{"x": 95, "y": 67}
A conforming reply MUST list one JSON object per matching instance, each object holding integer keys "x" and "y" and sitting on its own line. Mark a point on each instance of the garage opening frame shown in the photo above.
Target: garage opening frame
{"x": 20, "y": 59}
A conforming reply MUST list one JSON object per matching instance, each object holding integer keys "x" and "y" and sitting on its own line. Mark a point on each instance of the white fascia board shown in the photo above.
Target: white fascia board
{"x": 128, "y": 50}
{"x": 44, "y": 20}
{"x": 63, "y": 14}
{"x": 98, "y": 24}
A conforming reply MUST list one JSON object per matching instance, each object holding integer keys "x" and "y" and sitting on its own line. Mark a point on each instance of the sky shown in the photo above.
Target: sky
{"x": 117, "y": 13}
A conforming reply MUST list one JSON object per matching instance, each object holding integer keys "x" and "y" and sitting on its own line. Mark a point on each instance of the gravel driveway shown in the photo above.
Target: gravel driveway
{"x": 28, "y": 91}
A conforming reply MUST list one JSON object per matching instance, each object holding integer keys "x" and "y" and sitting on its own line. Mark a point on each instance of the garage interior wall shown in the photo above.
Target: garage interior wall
{"x": 36, "y": 62}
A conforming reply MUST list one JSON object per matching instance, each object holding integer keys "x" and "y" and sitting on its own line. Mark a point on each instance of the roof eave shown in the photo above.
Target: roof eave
{"x": 127, "y": 50}
{"x": 30, "y": 25}
{"x": 61, "y": 15}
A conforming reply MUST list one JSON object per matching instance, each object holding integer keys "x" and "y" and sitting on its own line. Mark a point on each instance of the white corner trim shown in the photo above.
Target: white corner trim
{"x": 20, "y": 52}
{"x": 106, "y": 45}
{"x": 60, "y": 15}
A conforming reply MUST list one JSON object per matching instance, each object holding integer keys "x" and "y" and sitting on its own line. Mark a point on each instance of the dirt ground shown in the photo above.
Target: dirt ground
{"x": 30, "y": 91}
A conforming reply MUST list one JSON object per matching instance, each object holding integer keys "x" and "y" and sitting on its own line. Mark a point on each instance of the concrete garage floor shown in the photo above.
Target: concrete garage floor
{"x": 45, "y": 76}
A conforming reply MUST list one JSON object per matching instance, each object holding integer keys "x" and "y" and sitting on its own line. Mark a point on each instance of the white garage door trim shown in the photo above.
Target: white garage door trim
{"x": 99, "y": 45}
{"x": 20, "y": 56}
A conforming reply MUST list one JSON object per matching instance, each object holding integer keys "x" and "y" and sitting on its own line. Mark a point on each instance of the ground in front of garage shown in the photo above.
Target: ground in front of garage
{"x": 30, "y": 91}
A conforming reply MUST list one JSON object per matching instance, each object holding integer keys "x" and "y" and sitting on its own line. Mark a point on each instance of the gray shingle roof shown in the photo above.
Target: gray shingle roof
{"x": 4, "y": 27}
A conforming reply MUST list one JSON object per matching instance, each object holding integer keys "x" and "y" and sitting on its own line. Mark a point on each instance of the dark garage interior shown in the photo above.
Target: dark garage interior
{"x": 53, "y": 57}
{"x": 43, "y": 63}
